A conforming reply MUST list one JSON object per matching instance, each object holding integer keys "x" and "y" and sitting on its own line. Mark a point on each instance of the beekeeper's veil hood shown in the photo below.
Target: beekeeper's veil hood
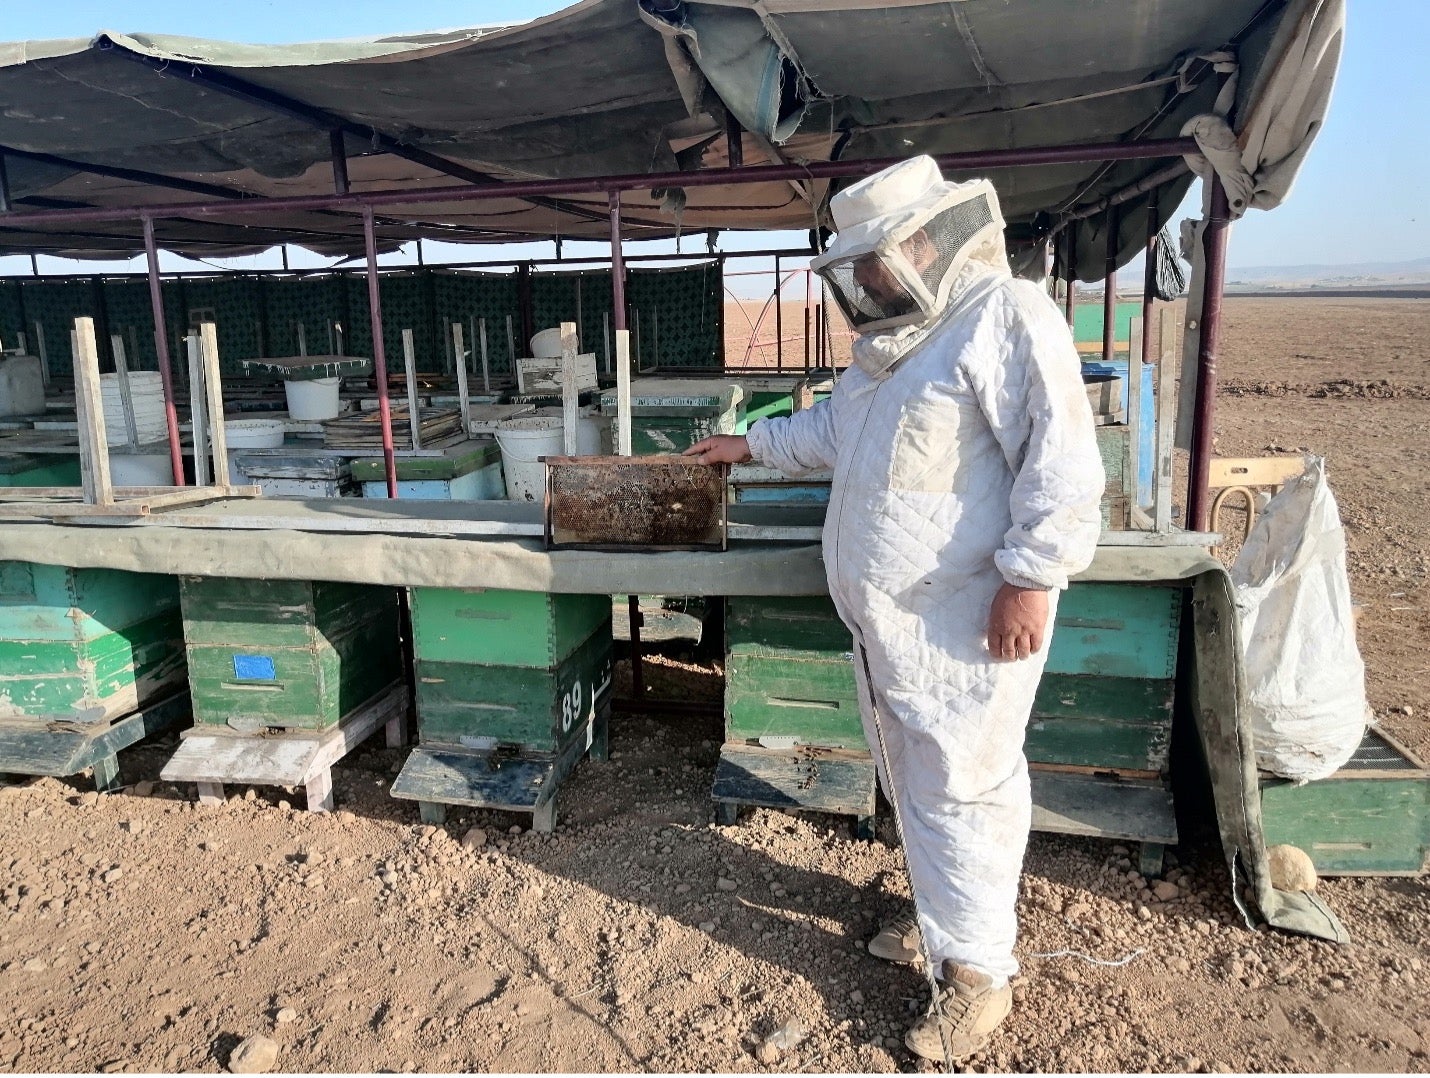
{"x": 903, "y": 237}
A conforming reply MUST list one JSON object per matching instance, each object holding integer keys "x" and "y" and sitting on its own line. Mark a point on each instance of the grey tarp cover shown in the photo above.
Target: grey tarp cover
{"x": 1217, "y": 688}
{"x": 606, "y": 87}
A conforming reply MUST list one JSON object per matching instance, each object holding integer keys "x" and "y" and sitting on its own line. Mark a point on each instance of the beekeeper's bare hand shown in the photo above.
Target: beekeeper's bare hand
{"x": 1017, "y": 622}
{"x": 721, "y": 449}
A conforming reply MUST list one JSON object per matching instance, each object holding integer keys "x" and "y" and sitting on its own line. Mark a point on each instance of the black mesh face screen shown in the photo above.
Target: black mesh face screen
{"x": 950, "y": 232}
{"x": 867, "y": 291}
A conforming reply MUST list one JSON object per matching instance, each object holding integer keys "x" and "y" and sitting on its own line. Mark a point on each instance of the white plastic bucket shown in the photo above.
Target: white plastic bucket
{"x": 547, "y": 344}
{"x": 312, "y": 400}
{"x": 253, "y": 433}
{"x": 523, "y": 443}
{"x": 589, "y": 426}
{"x": 141, "y": 469}
{"x": 22, "y": 386}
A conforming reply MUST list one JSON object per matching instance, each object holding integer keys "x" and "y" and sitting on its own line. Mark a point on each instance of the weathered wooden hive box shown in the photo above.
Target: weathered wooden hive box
{"x": 49, "y": 470}
{"x": 790, "y": 673}
{"x": 669, "y": 415}
{"x": 509, "y": 669}
{"x": 793, "y": 735}
{"x": 468, "y": 471}
{"x": 1099, "y": 739}
{"x": 85, "y": 645}
{"x": 289, "y": 654}
{"x": 1371, "y": 818}
{"x": 1105, "y": 700}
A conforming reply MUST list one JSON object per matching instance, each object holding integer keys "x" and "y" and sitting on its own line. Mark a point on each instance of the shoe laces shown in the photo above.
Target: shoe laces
{"x": 906, "y": 925}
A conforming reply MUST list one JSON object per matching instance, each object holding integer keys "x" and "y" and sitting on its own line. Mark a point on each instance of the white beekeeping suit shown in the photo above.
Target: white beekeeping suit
{"x": 964, "y": 456}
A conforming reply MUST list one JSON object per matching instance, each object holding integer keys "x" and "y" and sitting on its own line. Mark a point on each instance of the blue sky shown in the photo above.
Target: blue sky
{"x": 1362, "y": 196}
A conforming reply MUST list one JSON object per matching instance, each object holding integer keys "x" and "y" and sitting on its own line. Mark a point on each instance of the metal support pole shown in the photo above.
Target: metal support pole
{"x": 161, "y": 350}
{"x": 734, "y": 141}
{"x": 5, "y": 204}
{"x": 1149, "y": 281}
{"x": 379, "y": 351}
{"x": 618, "y": 266}
{"x": 1070, "y": 249}
{"x": 779, "y": 321}
{"x": 525, "y": 303}
{"x": 340, "y": 161}
{"x": 1208, "y": 340}
{"x": 1109, "y": 290}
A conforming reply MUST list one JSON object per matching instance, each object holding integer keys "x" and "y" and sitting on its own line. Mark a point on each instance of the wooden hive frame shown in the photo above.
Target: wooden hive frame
{"x": 98, "y": 496}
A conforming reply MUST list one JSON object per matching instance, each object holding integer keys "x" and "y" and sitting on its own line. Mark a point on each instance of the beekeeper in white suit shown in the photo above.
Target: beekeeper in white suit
{"x": 966, "y": 489}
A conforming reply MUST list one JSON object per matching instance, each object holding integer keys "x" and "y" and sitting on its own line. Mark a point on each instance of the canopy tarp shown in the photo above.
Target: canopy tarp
{"x": 614, "y": 87}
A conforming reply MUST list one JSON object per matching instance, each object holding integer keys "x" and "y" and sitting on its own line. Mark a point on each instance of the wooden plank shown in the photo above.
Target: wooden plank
{"x": 198, "y": 410}
{"x": 1115, "y": 699}
{"x": 1101, "y": 744}
{"x": 409, "y": 362}
{"x": 58, "y": 750}
{"x": 486, "y": 368}
{"x": 1134, "y": 414}
{"x": 839, "y": 781}
{"x": 1100, "y": 807}
{"x": 89, "y": 410}
{"x": 570, "y": 398}
{"x": 491, "y": 780}
{"x": 126, "y": 396}
{"x": 213, "y": 388}
{"x": 204, "y": 756}
{"x": 1166, "y": 397}
{"x": 623, "y": 392}
{"x": 1254, "y": 471}
{"x": 464, "y": 400}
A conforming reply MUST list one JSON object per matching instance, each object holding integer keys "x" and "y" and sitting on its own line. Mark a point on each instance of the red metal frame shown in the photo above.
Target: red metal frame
{"x": 1209, "y": 339}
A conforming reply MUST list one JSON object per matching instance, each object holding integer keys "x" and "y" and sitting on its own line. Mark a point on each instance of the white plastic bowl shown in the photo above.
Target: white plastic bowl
{"x": 253, "y": 433}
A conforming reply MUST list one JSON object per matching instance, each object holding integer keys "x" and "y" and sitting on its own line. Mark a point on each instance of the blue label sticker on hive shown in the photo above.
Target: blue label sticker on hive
{"x": 254, "y": 668}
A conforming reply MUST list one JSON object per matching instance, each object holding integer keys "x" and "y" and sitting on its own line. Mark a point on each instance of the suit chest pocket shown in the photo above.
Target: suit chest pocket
{"x": 932, "y": 442}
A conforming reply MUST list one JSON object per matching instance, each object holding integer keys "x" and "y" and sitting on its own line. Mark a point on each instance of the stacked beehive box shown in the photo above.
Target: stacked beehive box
{"x": 83, "y": 653}
{"x": 512, "y": 689}
{"x": 793, "y": 734}
{"x": 287, "y": 654}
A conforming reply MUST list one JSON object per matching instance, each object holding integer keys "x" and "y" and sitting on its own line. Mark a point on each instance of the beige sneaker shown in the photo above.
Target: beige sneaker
{"x": 898, "y": 941}
{"x": 964, "y": 1016}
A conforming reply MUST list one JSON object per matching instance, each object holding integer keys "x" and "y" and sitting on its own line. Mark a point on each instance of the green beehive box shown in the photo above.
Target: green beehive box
{"x": 20, "y": 470}
{"x": 1105, "y": 699}
{"x": 85, "y": 645}
{"x": 532, "y": 709}
{"x": 494, "y": 627}
{"x": 790, "y": 673}
{"x": 508, "y": 668}
{"x": 1371, "y": 818}
{"x": 287, "y": 654}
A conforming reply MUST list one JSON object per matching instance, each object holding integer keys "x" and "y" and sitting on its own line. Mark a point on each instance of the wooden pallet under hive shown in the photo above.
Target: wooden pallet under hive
{"x": 513, "y": 688}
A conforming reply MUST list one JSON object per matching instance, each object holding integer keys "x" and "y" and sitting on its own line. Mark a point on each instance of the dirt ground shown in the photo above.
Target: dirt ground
{"x": 143, "y": 932}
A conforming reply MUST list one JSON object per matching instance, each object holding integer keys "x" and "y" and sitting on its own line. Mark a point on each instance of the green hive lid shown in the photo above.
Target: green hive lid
{"x": 456, "y": 460}
{"x": 309, "y": 368}
{"x": 17, "y": 463}
{"x": 682, "y": 393}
